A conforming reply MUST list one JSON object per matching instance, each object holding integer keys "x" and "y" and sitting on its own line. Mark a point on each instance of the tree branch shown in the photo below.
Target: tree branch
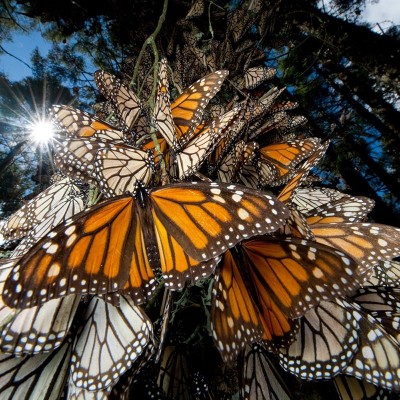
{"x": 12, "y": 55}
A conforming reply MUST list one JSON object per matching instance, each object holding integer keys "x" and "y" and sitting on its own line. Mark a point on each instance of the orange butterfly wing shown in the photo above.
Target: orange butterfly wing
{"x": 187, "y": 109}
{"x": 284, "y": 157}
{"x": 180, "y": 229}
{"x": 208, "y": 218}
{"x": 79, "y": 124}
{"x": 298, "y": 273}
{"x": 235, "y": 319}
{"x": 91, "y": 254}
{"x": 271, "y": 281}
{"x": 288, "y": 191}
{"x": 367, "y": 243}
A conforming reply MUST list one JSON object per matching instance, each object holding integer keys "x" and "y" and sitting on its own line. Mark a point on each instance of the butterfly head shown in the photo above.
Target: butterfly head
{"x": 141, "y": 193}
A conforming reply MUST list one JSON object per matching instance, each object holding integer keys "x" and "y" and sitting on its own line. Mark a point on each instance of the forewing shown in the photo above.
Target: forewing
{"x": 367, "y": 243}
{"x": 120, "y": 170}
{"x": 187, "y": 109}
{"x": 90, "y": 253}
{"x": 235, "y": 319}
{"x": 208, "y": 218}
{"x": 79, "y": 124}
{"x": 44, "y": 205}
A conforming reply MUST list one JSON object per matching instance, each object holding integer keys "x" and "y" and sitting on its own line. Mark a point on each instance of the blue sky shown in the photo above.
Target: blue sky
{"x": 23, "y": 45}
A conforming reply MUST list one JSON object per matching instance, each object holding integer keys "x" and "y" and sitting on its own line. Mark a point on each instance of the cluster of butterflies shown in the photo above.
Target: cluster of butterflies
{"x": 296, "y": 279}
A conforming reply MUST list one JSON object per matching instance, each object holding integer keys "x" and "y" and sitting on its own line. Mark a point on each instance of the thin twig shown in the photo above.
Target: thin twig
{"x": 150, "y": 41}
{"x": 12, "y": 55}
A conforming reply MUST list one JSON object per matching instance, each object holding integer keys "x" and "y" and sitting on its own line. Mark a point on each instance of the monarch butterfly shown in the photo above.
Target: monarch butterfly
{"x": 178, "y": 121}
{"x": 372, "y": 344}
{"x": 259, "y": 378}
{"x": 291, "y": 123}
{"x": 268, "y": 99}
{"x": 196, "y": 10}
{"x": 308, "y": 198}
{"x": 288, "y": 192}
{"x": 383, "y": 304}
{"x": 34, "y": 330}
{"x": 79, "y": 124}
{"x": 58, "y": 202}
{"x": 378, "y": 360}
{"x": 345, "y": 209}
{"x": 215, "y": 110}
{"x": 127, "y": 105}
{"x": 324, "y": 344}
{"x": 238, "y": 23}
{"x": 105, "y": 111}
{"x": 367, "y": 243}
{"x": 201, "y": 60}
{"x": 173, "y": 376}
{"x": 249, "y": 176}
{"x": 112, "y": 338}
{"x": 255, "y": 76}
{"x": 273, "y": 163}
{"x": 277, "y": 162}
{"x": 122, "y": 106}
{"x": 226, "y": 145}
{"x": 385, "y": 273}
{"x": 111, "y": 246}
{"x": 350, "y": 388}
{"x": 260, "y": 107}
{"x": 196, "y": 151}
{"x": 38, "y": 329}
{"x": 285, "y": 105}
{"x": 66, "y": 208}
{"x": 265, "y": 125}
{"x": 267, "y": 281}
{"x": 231, "y": 166}
{"x": 117, "y": 168}
{"x": 37, "y": 377}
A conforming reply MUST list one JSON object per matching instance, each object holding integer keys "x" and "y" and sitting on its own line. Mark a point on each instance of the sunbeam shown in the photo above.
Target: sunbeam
{"x": 41, "y": 131}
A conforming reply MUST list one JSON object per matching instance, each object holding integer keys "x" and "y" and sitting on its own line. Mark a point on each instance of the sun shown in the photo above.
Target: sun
{"x": 42, "y": 131}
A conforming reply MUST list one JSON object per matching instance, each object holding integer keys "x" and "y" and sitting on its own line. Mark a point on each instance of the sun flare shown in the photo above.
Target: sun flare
{"x": 42, "y": 131}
